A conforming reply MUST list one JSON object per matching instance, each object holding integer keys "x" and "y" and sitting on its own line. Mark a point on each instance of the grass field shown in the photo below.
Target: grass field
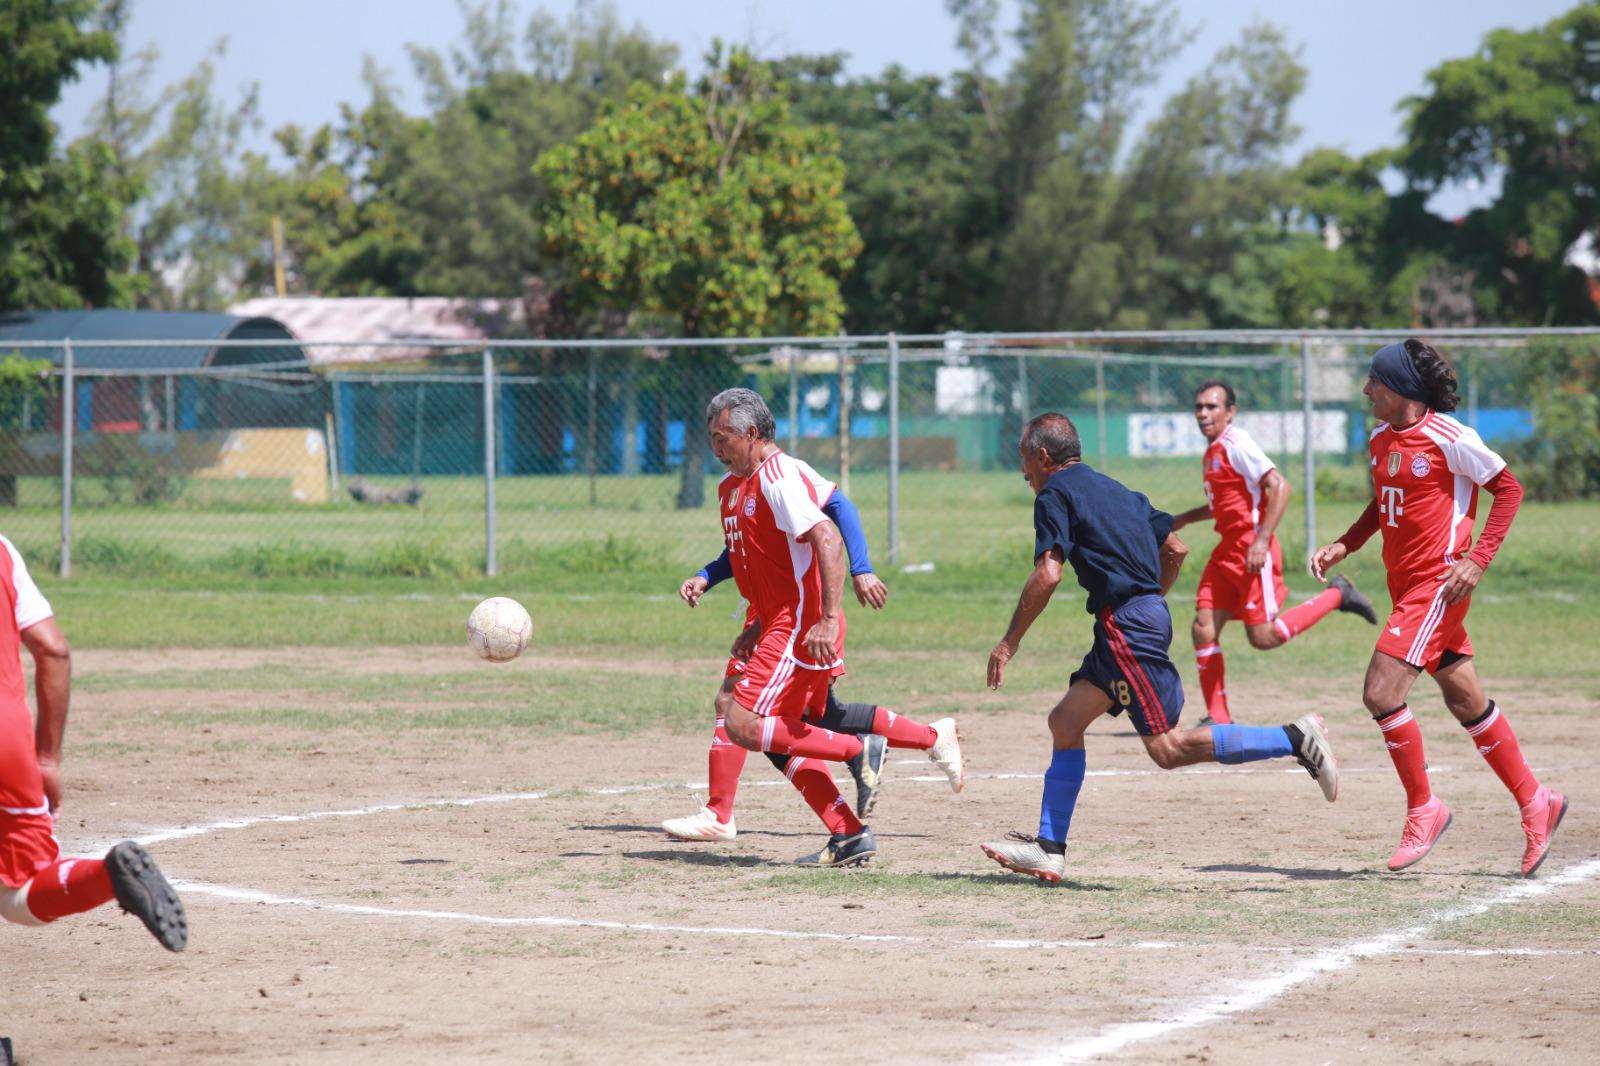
{"x": 394, "y": 853}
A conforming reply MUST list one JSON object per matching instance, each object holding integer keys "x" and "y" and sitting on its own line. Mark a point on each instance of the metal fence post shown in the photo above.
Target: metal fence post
{"x": 591, "y": 444}
{"x": 1024, "y": 403}
{"x": 844, "y": 422}
{"x": 894, "y": 449}
{"x": 794, "y": 400}
{"x": 1100, "y": 409}
{"x": 1307, "y": 444}
{"x": 489, "y": 566}
{"x": 69, "y": 419}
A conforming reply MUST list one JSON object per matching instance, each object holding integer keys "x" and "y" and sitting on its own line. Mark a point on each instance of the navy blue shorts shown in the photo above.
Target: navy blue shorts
{"x": 1129, "y": 663}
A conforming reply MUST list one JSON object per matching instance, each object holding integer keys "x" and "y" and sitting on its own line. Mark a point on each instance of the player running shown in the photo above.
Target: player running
{"x": 1426, "y": 472}
{"x": 1126, "y": 557}
{"x": 37, "y": 886}
{"x": 788, "y": 562}
{"x": 725, "y": 759}
{"x": 1246, "y": 497}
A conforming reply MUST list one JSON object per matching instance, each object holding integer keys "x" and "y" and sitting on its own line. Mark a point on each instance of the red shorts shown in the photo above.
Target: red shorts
{"x": 1254, "y": 599}
{"x": 27, "y": 845}
{"x": 773, "y": 684}
{"x": 1422, "y": 627}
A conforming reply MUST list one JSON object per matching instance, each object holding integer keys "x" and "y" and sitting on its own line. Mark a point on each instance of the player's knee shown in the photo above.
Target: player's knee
{"x": 1164, "y": 752}
{"x": 1378, "y": 703}
{"x": 743, "y": 728}
{"x": 1264, "y": 638}
{"x": 1203, "y": 633}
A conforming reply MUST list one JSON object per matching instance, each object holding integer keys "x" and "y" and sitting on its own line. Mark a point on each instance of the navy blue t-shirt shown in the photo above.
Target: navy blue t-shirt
{"x": 1108, "y": 533}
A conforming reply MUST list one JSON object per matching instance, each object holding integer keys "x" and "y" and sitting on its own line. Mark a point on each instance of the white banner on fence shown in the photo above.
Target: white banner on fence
{"x": 1177, "y": 434}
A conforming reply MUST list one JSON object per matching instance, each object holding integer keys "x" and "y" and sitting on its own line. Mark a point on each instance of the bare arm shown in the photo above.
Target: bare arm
{"x": 52, "y": 690}
{"x": 1191, "y": 516}
{"x": 822, "y": 642}
{"x": 1173, "y": 552}
{"x": 1275, "y": 487}
{"x": 1036, "y": 593}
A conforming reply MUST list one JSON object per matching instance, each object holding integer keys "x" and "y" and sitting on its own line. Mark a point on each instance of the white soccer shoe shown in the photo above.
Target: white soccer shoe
{"x": 703, "y": 825}
{"x": 946, "y": 752}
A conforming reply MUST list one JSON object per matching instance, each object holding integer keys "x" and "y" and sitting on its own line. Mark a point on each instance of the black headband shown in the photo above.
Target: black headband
{"x": 1392, "y": 368}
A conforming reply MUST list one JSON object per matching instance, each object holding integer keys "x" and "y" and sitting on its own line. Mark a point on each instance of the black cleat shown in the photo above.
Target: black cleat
{"x": 867, "y": 769}
{"x": 143, "y": 892}
{"x": 843, "y": 851}
{"x": 1353, "y": 600}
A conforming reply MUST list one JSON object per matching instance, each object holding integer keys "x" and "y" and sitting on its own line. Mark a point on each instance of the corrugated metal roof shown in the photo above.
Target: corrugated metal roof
{"x": 388, "y": 319}
{"x": 121, "y": 325}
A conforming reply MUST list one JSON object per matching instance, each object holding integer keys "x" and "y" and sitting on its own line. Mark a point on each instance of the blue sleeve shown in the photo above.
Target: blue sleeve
{"x": 1052, "y": 525}
{"x": 717, "y": 571}
{"x": 848, "y": 519}
{"x": 1160, "y": 525}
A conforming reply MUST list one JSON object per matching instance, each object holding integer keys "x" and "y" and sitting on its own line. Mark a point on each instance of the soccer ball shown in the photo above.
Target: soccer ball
{"x": 498, "y": 629}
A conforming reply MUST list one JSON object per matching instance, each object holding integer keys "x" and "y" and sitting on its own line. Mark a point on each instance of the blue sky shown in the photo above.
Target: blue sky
{"x": 1363, "y": 56}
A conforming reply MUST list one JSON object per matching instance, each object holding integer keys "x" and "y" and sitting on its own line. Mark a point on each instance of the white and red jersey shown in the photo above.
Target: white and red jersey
{"x": 21, "y": 788}
{"x": 1233, "y": 467}
{"x": 1425, "y": 480}
{"x": 763, "y": 517}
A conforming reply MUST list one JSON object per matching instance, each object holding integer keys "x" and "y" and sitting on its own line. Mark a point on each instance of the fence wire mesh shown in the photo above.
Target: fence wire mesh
{"x": 289, "y": 459}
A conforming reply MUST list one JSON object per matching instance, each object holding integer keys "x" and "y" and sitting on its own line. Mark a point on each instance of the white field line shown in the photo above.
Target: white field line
{"x": 186, "y": 832}
{"x": 250, "y": 895}
{"x": 1251, "y": 994}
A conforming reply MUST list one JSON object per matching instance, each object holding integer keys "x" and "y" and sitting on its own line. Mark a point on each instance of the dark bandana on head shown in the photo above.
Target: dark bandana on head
{"x": 1392, "y": 368}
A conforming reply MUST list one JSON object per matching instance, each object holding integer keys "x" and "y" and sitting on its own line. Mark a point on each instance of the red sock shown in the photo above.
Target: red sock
{"x": 68, "y": 886}
{"x": 1498, "y": 745}
{"x": 822, "y": 795}
{"x": 1297, "y": 620}
{"x": 791, "y": 736}
{"x": 1404, "y": 741}
{"x": 903, "y": 732}
{"x": 724, "y": 763}
{"x": 1212, "y": 682}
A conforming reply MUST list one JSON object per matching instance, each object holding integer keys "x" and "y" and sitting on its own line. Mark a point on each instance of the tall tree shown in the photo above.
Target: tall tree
{"x": 1524, "y": 108}
{"x": 60, "y": 213}
{"x": 711, "y": 205}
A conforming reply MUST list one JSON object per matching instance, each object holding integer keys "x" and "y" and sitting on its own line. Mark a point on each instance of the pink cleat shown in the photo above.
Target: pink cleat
{"x": 1424, "y": 826}
{"x": 1539, "y": 821}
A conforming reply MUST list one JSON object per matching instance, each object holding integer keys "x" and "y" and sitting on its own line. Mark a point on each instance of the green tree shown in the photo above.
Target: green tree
{"x": 194, "y": 225}
{"x": 60, "y": 244}
{"x": 916, "y": 184}
{"x": 1524, "y": 108}
{"x": 710, "y": 205}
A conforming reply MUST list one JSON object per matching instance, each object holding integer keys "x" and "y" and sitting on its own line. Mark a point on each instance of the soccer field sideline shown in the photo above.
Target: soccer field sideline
{"x": 1240, "y": 996}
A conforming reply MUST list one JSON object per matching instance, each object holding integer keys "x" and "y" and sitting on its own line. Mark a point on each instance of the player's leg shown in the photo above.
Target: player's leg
{"x": 1206, "y": 632}
{"x": 1044, "y": 855}
{"x": 724, "y": 764}
{"x": 940, "y": 739}
{"x": 1216, "y": 600}
{"x": 866, "y": 768}
{"x": 1542, "y": 808}
{"x": 1388, "y": 683}
{"x": 61, "y": 887}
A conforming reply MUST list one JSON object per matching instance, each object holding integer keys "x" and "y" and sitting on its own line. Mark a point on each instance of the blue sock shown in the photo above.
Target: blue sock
{"x": 1250, "y": 743}
{"x": 1061, "y": 784}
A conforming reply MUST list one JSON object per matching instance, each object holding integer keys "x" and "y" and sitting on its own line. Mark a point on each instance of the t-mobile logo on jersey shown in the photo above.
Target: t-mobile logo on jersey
{"x": 1389, "y": 506}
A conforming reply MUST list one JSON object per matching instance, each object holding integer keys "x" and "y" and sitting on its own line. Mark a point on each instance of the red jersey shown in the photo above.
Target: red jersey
{"x": 1425, "y": 480}
{"x": 1233, "y": 467}
{"x": 763, "y": 517}
{"x": 22, "y": 605}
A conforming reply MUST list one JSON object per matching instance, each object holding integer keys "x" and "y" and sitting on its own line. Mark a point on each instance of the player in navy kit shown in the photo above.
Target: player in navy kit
{"x": 1126, "y": 557}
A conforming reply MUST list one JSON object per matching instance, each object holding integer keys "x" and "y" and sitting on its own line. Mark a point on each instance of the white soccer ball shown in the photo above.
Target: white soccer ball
{"x": 498, "y": 629}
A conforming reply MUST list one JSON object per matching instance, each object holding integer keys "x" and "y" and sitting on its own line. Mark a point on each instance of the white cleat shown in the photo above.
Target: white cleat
{"x": 946, "y": 752}
{"x": 701, "y": 826}
{"x": 1316, "y": 755}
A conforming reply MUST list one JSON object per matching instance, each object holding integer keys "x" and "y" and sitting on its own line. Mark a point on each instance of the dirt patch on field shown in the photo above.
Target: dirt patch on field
{"x": 361, "y": 894}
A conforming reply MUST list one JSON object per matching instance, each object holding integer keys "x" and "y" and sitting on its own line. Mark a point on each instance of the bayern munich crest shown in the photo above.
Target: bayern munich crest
{"x": 749, "y": 506}
{"x": 1420, "y": 467}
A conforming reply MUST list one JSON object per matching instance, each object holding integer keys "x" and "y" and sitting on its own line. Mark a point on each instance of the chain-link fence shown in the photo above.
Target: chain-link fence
{"x": 284, "y": 459}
